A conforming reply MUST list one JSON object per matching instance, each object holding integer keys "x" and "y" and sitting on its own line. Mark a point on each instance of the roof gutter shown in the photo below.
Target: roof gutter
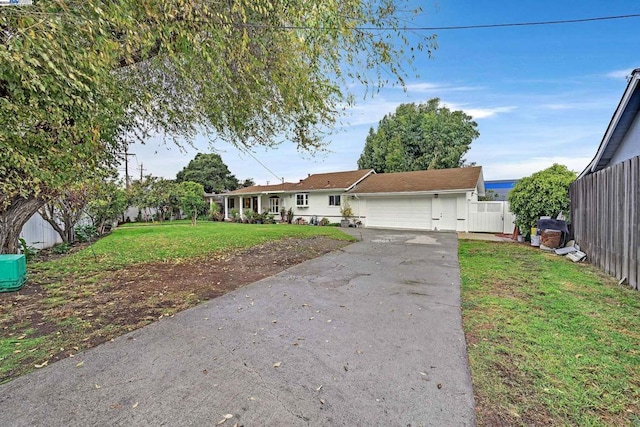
{"x": 617, "y": 115}
{"x": 412, "y": 193}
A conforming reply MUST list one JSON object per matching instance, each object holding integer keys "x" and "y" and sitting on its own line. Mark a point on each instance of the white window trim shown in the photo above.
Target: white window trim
{"x": 305, "y": 196}
{"x": 334, "y": 197}
{"x": 276, "y": 205}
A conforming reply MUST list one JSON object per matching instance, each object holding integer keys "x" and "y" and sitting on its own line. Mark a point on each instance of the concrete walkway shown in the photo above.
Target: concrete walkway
{"x": 369, "y": 335}
{"x": 483, "y": 236}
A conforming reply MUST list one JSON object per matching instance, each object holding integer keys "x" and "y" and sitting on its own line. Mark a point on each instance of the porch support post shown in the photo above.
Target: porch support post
{"x": 259, "y": 203}
{"x": 226, "y": 208}
{"x": 241, "y": 207}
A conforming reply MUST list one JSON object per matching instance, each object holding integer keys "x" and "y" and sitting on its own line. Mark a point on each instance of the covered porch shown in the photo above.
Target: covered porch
{"x": 273, "y": 203}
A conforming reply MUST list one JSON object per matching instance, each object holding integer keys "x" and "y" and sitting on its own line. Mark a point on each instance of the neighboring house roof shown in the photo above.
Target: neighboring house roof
{"x": 434, "y": 180}
{"x": 319, "y": 181}
{"x": 621, "y": 121}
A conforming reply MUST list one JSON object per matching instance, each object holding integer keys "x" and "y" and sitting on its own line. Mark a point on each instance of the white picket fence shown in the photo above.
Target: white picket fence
{"x": 491, "y": 217}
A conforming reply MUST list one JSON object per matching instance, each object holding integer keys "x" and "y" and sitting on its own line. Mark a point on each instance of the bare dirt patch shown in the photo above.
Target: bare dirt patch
{"x": 72, "y": 314}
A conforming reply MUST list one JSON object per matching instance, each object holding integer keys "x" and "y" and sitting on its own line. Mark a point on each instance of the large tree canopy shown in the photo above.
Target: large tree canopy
{"x": 419, "y": 137}
{"x": 210, "y": 171}
{"x": 77, "y": 76}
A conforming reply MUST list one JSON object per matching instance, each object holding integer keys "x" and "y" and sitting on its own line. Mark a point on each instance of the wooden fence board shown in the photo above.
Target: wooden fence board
{"x": 606, "y": 219}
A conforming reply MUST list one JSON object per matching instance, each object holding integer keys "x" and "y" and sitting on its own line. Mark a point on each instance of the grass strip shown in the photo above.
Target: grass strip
{"x": 550, "y": 342}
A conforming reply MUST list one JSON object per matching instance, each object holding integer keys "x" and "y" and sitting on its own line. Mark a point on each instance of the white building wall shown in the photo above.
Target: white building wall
{"x": 630, "y": 146}
{"x": 319, "y": 206}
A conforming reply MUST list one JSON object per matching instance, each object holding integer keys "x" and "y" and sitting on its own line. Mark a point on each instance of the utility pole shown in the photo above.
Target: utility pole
{"x": 126, "y": 165}
{"x": 141, "y": 170}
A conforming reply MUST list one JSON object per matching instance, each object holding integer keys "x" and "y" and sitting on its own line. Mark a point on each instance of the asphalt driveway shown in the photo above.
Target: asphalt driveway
{"x": 369, "y": 335}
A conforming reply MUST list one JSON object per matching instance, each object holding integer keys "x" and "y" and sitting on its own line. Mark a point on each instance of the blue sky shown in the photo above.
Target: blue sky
{"x": 540, "y": 94}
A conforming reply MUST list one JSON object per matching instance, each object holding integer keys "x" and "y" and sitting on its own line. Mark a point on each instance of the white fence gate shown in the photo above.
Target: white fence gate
{"x": 491, "y": 217}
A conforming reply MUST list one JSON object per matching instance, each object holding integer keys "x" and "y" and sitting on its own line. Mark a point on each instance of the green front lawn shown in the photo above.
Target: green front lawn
{"x": 550, "y": 342}
{"x": 179, "y": 240}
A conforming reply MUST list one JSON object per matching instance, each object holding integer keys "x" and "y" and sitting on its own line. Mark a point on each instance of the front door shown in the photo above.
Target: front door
{"x": 274, "y": 205}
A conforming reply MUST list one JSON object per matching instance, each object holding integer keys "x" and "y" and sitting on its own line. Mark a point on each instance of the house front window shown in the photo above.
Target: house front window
{"x": 274, "y": 205}
{"x": 231, "y": 203}
{"x": 334, "y": 200}
{"x": 302, "y": 200}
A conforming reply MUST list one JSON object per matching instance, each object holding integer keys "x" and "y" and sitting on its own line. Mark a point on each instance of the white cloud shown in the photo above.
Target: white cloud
{"x": 481, "y": 113}
{"x": 422, "y": 87}
{"x": 432, "y": 87}
{"x": 619, "y": 74}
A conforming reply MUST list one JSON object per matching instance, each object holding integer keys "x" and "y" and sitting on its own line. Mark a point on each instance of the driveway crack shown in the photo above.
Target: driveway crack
{"x": 264, "y": 383}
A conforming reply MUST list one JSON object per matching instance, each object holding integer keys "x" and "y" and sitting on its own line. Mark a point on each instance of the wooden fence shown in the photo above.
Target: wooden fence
{"x": 605, "y": 214}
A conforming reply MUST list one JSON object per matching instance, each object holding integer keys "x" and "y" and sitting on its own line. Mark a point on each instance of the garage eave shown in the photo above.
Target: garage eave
{"x": 411, "y": 193}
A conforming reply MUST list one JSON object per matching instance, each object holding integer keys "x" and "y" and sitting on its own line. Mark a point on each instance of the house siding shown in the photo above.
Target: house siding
{"x": 630, "y": 145}
{"x": 319, "y": 205}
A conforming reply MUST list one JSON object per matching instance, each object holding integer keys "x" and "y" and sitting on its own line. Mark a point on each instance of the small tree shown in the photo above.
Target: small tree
{"x": 64, "y": 211}
{"x": 346, "y": 213}
{"x": 108, "y": 201}
{"x": 543, "y": 193}
{"x": 192, "y": 199}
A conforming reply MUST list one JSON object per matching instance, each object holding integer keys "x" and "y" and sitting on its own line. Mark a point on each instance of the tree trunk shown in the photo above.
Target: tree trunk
{"x": 13, "y": 218}
{"x": 47, "y": 212}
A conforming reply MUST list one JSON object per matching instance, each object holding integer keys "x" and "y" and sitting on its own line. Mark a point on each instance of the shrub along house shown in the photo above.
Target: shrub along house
{"x": 605, "y": 199}
{"x": 423, "y": 200}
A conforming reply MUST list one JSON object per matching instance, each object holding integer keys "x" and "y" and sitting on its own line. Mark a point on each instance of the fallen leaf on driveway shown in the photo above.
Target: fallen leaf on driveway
{"x": 277, "y": 364}
{"x": 42, "y": 365}
{"x": 319, "y": 388}
{"x": 226, "y": 417}
{"x": 135, "y": 405}
{"x": 80, "y": 364}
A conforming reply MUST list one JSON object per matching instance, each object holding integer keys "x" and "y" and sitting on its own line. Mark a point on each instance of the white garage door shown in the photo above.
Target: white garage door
{"x": 399, "y": 212}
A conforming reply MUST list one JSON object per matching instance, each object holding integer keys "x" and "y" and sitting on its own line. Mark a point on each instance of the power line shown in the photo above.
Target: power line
{"x": 245, "y": 150}
{"x": 524, "y": 24}
{"x": 468, "y": 27}
{"x": 402, "y": 29}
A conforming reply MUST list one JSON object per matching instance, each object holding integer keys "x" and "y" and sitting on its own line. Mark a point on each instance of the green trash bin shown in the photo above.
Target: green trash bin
{"x": 13, "y": 272}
